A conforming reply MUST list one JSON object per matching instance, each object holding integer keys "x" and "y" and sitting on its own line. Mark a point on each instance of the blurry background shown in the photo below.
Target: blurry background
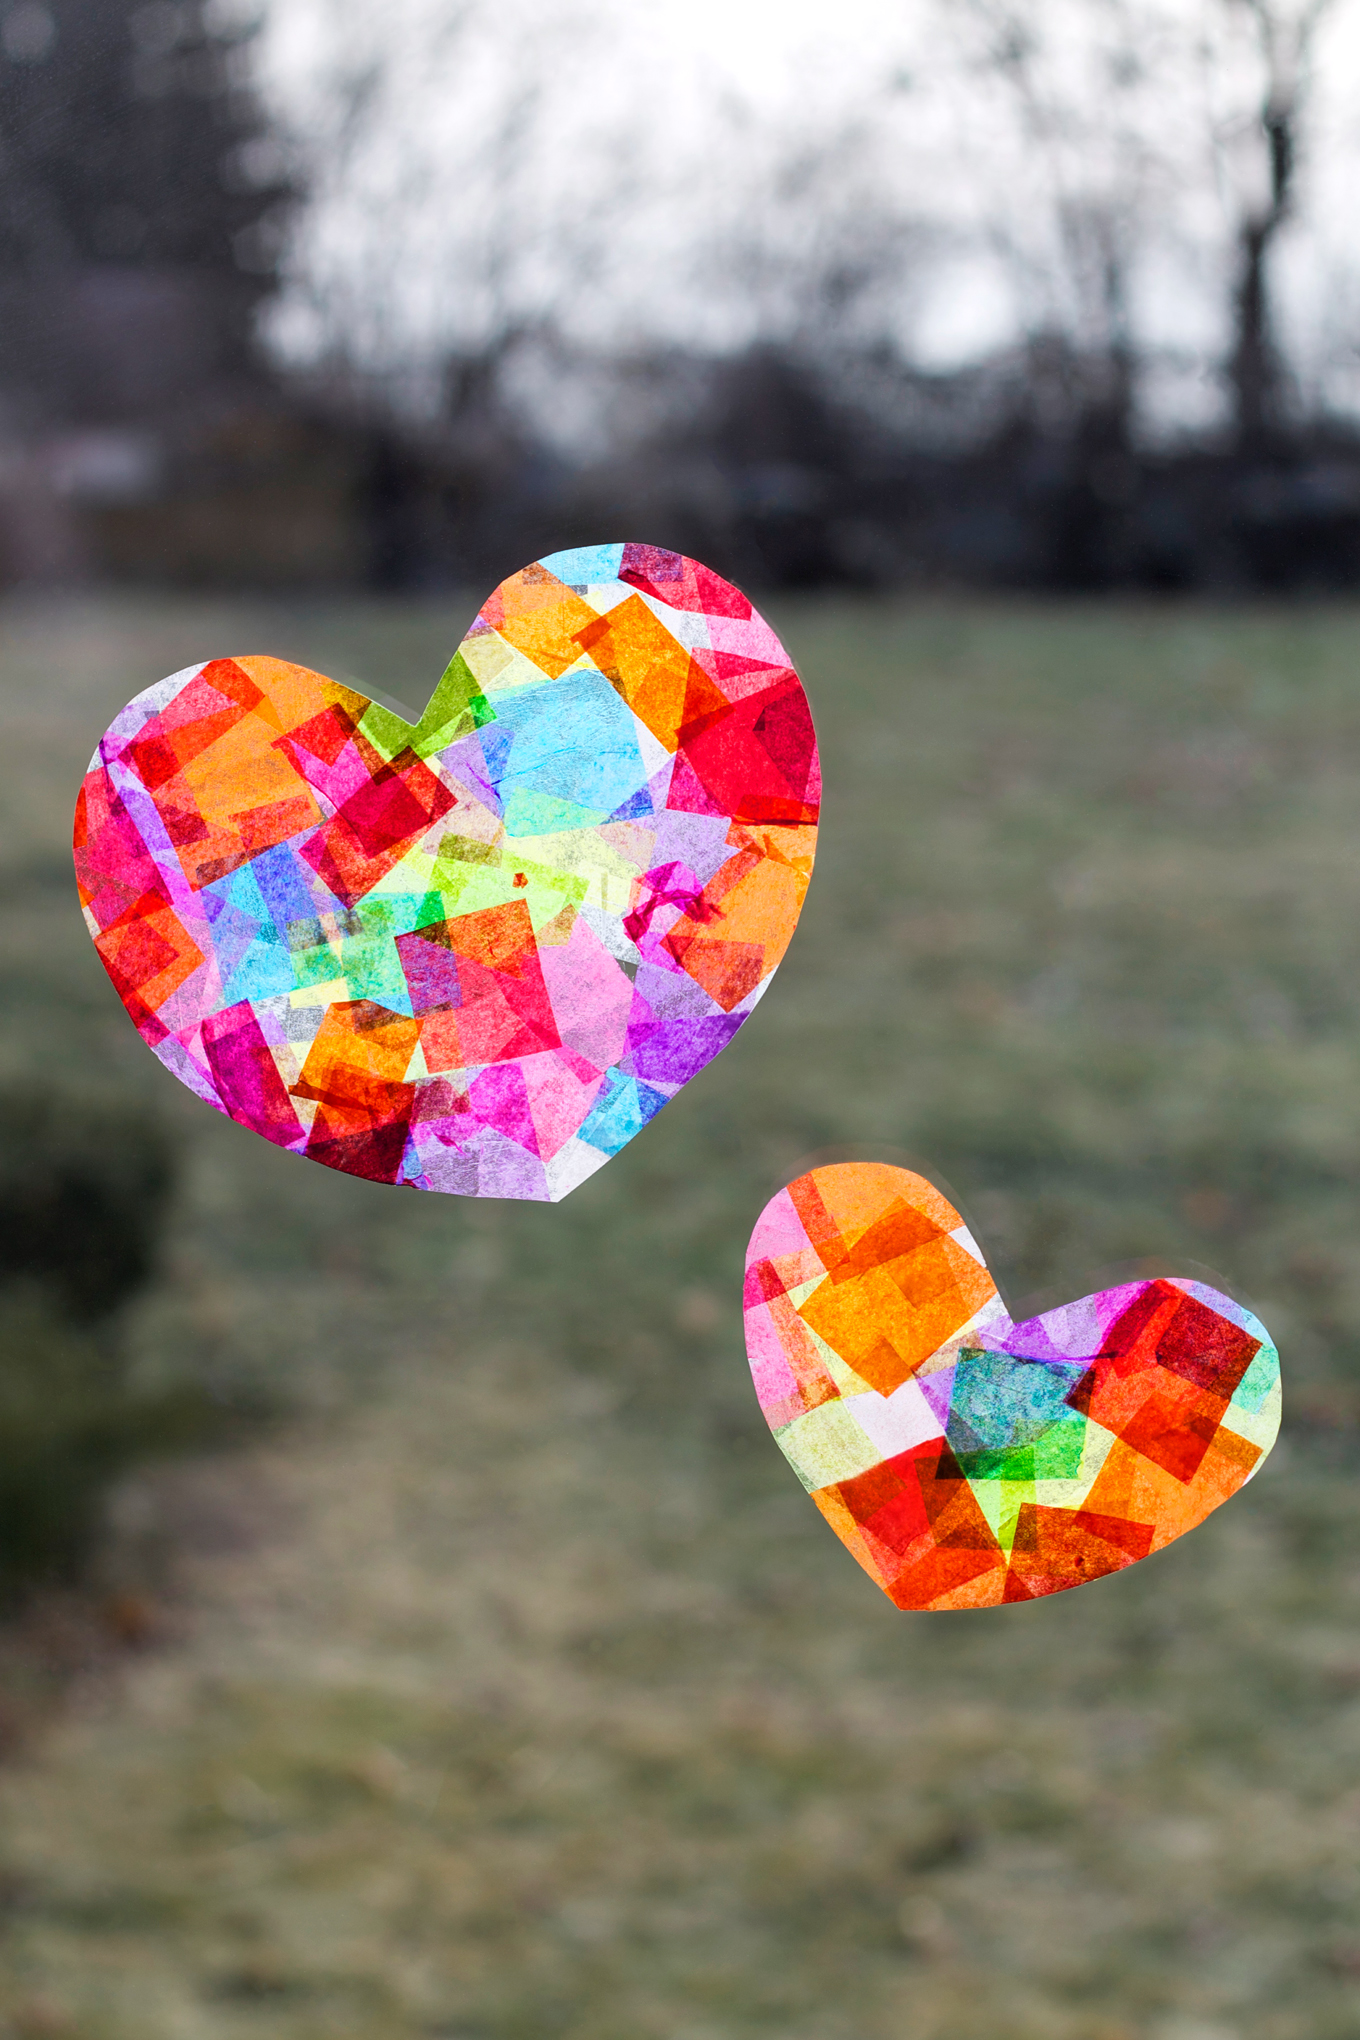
{"x": 409, "y": 1630}
{"x": 1038, "y": 293}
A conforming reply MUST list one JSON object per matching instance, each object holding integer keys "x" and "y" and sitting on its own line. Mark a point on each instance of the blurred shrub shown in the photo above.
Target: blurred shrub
{"x": 70, "y": 1421}
{"x": 84, "y": 1192}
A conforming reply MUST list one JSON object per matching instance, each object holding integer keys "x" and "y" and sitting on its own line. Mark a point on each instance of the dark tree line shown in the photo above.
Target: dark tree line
{"x": 139, "y": 193}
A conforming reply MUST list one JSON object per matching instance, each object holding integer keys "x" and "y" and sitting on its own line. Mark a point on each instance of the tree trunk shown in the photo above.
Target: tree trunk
{"x": 1255, "y": 366}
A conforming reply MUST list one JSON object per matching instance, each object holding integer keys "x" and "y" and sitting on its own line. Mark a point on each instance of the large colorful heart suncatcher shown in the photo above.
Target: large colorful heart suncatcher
{"x": 965, "y": 1459}
{"x": 477, "y": 953}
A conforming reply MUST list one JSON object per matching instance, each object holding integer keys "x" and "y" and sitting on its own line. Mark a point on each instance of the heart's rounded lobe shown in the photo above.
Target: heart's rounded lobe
{"x": 967, "y": 1460}
{"x": 476, "y": 953}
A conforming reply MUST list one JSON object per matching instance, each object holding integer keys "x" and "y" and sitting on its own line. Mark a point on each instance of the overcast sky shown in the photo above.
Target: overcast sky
{"x": 637, "y": 172}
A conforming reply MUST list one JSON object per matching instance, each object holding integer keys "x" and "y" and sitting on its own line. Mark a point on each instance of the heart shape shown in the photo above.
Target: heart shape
{"x": 474, "y": 954}
{"x": 965, "y": 1459}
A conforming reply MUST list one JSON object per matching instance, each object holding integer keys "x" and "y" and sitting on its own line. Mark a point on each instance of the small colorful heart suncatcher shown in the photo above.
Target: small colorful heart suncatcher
{"x": 965, "y": 1459}
{"x": 477, "y": 953}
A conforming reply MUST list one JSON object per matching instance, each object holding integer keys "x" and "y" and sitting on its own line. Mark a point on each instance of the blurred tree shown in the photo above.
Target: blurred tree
{"x": 142, "y": 200}
{"x": 1069, "y": 228}
{"x": 1285, "y": 35}
{"x": 1123, "y": 119}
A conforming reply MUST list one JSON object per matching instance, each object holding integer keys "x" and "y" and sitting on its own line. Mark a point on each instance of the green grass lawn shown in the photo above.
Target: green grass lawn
{"x": 508, "y": 1687}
